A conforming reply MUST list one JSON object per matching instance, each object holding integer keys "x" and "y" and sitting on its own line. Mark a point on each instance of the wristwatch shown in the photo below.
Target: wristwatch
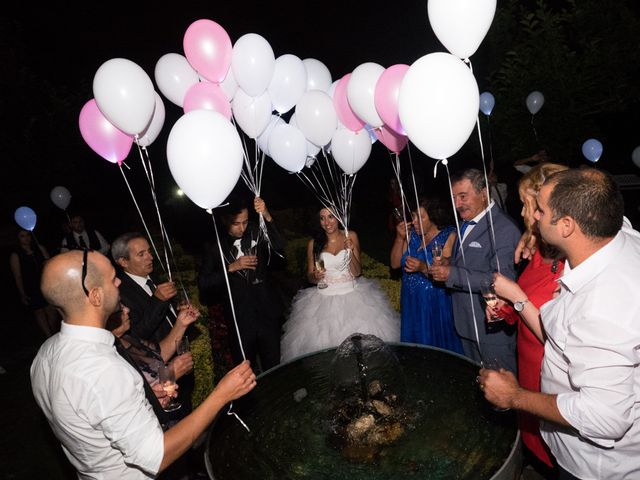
{"x": 519, "y": 306}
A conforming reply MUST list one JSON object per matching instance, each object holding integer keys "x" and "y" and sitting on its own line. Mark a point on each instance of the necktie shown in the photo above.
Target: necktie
{"x": 151, "y": 285}
{"x": 463, "y": 228}
{"x": 81, "y": 242}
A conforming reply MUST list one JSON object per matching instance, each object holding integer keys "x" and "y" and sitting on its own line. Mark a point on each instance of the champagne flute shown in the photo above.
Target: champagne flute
{"x": 167, "y": 378}
{"x": 182, "y": 345}
{"x": 319, "y": 264}
{"x": 491, "y": 299}
{"x": 436, "y": 251}
{"x": 251, "y": 250}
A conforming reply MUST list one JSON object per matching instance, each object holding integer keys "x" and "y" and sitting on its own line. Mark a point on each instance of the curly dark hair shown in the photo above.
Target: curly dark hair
{"x": 439, "y": 210}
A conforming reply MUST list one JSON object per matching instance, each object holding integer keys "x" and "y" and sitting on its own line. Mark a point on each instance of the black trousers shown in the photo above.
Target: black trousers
{"x": 260, "y": 339}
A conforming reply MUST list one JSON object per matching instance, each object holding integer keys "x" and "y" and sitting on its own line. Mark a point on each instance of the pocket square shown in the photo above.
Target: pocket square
{"x": 475, "y": 245}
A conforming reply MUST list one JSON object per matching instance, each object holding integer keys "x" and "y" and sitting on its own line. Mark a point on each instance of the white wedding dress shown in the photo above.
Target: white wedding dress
{"x": 323, "y": 318}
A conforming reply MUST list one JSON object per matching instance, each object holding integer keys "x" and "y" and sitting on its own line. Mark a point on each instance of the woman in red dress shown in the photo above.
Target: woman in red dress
{"x": 536, "y": 285}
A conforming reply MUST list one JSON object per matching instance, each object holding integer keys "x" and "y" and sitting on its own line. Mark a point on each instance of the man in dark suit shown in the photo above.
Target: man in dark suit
{"x": 150, "y": 309}
{"x": 473, "y": 262}
{"x": 258, "y": 307}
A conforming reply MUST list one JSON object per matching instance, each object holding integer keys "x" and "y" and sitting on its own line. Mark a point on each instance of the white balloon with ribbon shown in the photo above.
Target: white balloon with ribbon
{"x": 288, "y": 83}
{"x": 174, "y": 76}
{"x": 635, "y": 156}
{"x": 205, "y": 157}
{"x": 124, "y": 94}
{"x": 60, "y": 196}
{"x": 361, "y": 90}
{"x": 148, "y": 136}
{"x": 350, "y": 150}
{"x": 252, "y": 114}
{"x": 253, "y": 63}
{"x": 288, "y": 147}
{"x": 318, "y": 75}
{"x": 438, "y": 104}
{"x": 316, "y": 117}
{"x": 461, "y": 25}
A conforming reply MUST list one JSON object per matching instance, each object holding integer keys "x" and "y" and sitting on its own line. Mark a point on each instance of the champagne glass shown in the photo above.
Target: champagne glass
{"x": 319, "y": 264}
{"x": 251, "y": 250}
{"x": 167, "y": 378}
{"x": 182, "y": 345}
{"x": 436, "y": 251}
{"x": 491, "y": 299}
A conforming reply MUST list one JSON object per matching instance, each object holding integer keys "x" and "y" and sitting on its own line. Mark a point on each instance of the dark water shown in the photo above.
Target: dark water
{"x": 453, "y": 433}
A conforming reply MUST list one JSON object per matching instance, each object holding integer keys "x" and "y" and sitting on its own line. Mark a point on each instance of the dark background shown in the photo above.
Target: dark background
{"x": 51, "y": 52}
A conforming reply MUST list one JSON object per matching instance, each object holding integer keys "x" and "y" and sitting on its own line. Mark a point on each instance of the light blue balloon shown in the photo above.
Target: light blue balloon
{"x": 26, "y": 218}
{"x": 487, "y": 102}
{"x": 592, "y": 150}
{"x": 372, "y": 134}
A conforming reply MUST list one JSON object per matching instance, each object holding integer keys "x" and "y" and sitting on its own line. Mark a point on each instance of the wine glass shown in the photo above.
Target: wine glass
{"x": 182, "y": 345}
{"x": 436, "y": 251}
{"x": 319, "y": 264}
{"x": 251, "y": 250}
{"x": 167, "y": 378}
{"x": 491, "y": 299}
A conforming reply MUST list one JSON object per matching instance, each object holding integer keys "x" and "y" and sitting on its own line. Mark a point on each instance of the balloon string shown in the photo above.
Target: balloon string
{"x": 141, "y": 216}
{"x": 163, "y": 229}
{"x": 415, "y": 191}
{"x": 464, "y": 261}
{"x": 155, "y": 203}
{"x": 535, "y": 133}
{"x": 486, "y": 181}
{"x": 395, "y": 165}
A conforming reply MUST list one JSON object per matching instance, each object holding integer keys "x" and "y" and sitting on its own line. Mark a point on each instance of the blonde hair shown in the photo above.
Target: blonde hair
{"x": 530, "y": 185}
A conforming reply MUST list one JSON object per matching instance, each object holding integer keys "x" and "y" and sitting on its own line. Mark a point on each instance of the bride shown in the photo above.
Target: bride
{"x": 342, "y": 303}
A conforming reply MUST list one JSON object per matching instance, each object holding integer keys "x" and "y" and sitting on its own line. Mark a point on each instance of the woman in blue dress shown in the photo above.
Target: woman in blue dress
{"x": 426, "y": 313}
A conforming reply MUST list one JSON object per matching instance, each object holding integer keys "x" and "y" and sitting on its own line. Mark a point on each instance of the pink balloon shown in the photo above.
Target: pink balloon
{"x": 395, "y": 142}
{"x": 345, "y": 114}
{"x": 208, "y": 49}
{"x": 207, "y": 96}
{"x": 386, "y": 96}
{"x": 106, "y": 140}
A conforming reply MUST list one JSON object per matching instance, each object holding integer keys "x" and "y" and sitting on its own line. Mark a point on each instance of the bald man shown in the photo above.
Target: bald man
{"x": 93, "y": 399}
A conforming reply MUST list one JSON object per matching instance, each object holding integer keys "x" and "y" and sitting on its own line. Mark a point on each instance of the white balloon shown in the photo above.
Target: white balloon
{"x": 252, "y": 114}
{"x": 229, "y": 85}
{"x": 205, "y": 155}
{"x": 174, "y": 76}
{"x": 361, "y": 92}
{"x": 461, "y": 25}
{"x": 350, "y": 150}
{"x": 253, "y": 63}
{"x": 60, "y": 197}
{"x": 312, "y": 150}
{"x": 288, "y": 84}
{"x": 635, "y": 156}
{"x": 316, "y": 117}
{"x": 147, "y": 137}
{"x": 535, "y": 101}
{"x": 124, "y": 94}
{"x": 263, "y": 138}
{"x": 318, "y": 75}
{"x": 288, "y": 147}
{"x": 438, "y": 104}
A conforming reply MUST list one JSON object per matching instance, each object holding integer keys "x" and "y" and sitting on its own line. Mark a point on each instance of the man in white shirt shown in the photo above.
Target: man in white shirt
{"x": 93, "y": 399}
{"x": 590, "y": 400}
{"x": 79, "y": 238}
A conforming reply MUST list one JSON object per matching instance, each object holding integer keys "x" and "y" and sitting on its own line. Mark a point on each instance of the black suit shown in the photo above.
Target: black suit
{"x": 258, "y": 307}
{"x": 147, "y": 313}
{"x": 148, "y": 316}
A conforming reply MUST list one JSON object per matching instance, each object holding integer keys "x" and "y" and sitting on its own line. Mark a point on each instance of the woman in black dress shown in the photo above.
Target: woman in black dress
{"x": 26, "y": 264}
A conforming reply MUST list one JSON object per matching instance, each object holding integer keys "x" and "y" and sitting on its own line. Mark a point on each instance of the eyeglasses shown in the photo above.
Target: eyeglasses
{"x": 85, "y": 255}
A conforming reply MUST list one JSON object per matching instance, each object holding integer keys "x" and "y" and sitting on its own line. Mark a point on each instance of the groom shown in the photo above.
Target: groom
{"x": 258, "y": 309}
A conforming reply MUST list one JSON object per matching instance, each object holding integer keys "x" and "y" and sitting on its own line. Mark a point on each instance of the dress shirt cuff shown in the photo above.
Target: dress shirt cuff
{"x": 568, "y": 405}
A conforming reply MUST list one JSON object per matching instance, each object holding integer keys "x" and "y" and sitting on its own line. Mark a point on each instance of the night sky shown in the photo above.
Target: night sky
{"x": 63, "y": 46}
